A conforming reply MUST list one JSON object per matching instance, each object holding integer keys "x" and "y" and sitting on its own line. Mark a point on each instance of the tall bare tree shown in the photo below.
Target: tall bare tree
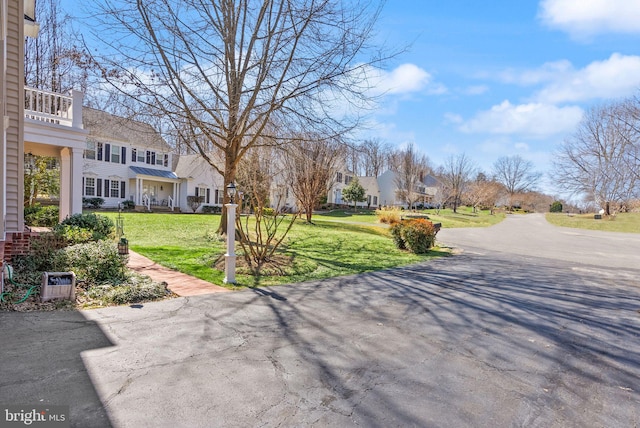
{"x": 55, "y": 60}
{"x": 516, "y": 174}
{"x": 376, "y": 157}
{"x": 311, "y": 171}
{"x": 223, "y": 71}
{"x": 455, "y": 174}
{"x": 600, "y": 160}
{"x": 410, "y": 168}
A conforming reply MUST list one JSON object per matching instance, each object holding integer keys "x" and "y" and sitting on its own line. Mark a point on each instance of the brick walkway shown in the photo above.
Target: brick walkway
{"x": 179, "y": 283}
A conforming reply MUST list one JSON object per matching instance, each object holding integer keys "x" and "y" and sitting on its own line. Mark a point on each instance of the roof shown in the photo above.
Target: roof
{"x": 108, "y": 127}
{"x": 153, "y": 172}
{"x": 194, "y": 164}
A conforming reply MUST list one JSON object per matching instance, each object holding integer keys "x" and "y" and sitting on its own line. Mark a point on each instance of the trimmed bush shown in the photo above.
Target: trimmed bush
{"x": 211, "y": 209}
{"x": 94, "y": 203}
{"x": 128, "y": 205}
{"x": 37, "y": 215}
{"x": 415, "y": 235}
{"x": 99, "y": 226}
{"x": 94, "y": 262}
{"x": 556, "y": 207}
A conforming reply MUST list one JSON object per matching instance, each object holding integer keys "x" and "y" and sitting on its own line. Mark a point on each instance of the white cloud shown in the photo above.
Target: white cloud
{"x": 453, "y": 118}
{"x": 549, "y": 71}
{"x": 586, "y": 18}
{"x": 617, "y": 76}
{"x": 475, "y": 90}
{"x": 522, "y": 147}
{"x": 534, "y": 119}
{"x": 404, "y": 79}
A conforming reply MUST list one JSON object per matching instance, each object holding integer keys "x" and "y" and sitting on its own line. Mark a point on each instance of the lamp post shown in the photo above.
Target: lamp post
{"x": 230, "y": 257}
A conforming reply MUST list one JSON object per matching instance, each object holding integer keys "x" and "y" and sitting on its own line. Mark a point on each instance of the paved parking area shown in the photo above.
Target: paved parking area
{"x": 485, "y": 338}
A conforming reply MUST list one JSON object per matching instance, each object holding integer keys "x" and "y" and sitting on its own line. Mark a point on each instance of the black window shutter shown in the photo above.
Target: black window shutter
{"x": 122, "y": 191}
{"x": 107, "y": 194}
{"x": 196, "y": 192}
{"x": 99, "y": 187}
{"x": 107, "y": 152}
{"x": 208, "y": 195}
{"x": 84, "y": 191}
{"x": 217, "y": 196}
{"x": 99, "y": 150}
{"x": 123, "y": 158}
{"x": 134, "y": 155}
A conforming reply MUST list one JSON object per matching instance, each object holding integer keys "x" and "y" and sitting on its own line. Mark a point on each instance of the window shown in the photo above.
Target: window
{"x": 115, "y": 154}
{"x": 89, "y": 186}
{"x": 339, "y": 177}
{"x": 375, "y": 200}
{"x": 159, "y": 159}
{"x": 347, "y": 179}
{"x": 90, "y": 151}
{"x": 115, "y": 189}
{"x": 141, "y": 156}
{"x": 219, "y": 196}
{"x": 151, "y": 157}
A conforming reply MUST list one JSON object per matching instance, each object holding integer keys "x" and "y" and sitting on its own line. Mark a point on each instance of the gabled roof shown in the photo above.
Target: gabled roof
{"x": 108, "y": 127}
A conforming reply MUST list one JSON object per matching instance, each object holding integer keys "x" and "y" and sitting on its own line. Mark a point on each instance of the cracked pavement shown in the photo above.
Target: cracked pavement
{"x": 521, "y": 329}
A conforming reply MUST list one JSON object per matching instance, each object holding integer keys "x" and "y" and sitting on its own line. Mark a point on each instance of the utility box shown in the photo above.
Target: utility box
{"x": 58, "y": 285}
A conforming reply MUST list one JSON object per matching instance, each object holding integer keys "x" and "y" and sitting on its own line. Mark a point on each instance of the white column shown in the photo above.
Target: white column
{"x": 77, "y": 163}
{"x": 230, "y": 257}
{"x": 76, "y": 109}
{"x": 66, "y": 187}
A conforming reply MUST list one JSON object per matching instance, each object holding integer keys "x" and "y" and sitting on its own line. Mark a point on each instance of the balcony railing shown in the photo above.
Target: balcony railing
{"x": 51, "y": 107}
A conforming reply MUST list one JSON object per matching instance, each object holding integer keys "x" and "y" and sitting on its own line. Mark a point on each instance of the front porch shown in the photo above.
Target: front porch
{"x": 53, "y": 127}
{"x": 154, "y": 188}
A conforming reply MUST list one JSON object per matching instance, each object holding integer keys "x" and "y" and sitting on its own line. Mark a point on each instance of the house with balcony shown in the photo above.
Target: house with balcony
{"x": 127, "y": 160}
{"x": 39, "y": 122}
{"x": 425, "y": 190}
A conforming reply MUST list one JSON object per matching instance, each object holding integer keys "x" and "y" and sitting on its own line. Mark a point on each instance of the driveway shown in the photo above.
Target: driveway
{"x": 527, "y": 337}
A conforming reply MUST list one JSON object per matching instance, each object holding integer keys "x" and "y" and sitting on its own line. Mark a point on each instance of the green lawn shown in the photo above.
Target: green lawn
{"x": 465, "y": 217}
{"x": 188, "y": 243}
{"x": 624, "y": 222}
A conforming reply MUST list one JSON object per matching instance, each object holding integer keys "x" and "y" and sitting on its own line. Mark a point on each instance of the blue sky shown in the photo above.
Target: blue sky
{"x": 500, "y": 77}
{"x": 494, "y": 78}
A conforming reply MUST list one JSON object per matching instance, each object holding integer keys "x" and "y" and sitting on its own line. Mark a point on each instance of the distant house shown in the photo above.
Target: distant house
{"x": 198, "y": 178}
{"x": 425, "y": 190}
{"x": 127, "y": 160}
{"x": 343, "y": 179}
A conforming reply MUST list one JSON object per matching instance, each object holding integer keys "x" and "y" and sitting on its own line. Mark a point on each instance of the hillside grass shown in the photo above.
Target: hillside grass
{"x": 624, "y": 222}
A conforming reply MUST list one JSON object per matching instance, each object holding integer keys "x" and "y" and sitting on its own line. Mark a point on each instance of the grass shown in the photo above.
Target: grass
{"x": 189, "y": 244}
{"x": 624, "y": 222}
{"x": 465, "y": 217}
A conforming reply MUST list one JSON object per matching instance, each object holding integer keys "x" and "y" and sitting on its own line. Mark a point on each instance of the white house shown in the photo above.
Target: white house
{"x": 426, "y": 189}
{"x": 198, "y": 178}
{"x": 343, "y": 179}
{"x": 127, "y": 160}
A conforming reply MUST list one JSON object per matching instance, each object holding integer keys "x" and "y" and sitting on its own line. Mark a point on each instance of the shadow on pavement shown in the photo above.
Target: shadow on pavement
{"x": 42, "y": 363}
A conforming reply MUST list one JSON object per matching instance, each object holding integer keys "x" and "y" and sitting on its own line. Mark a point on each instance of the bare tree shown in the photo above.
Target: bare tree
{"x": 55, "y": 60}
{"x": 455, "y": 174}
{"x": 483, "y": 193}
{"x": 223, "y": 71}
{"x": 600, "y": 159}
{"x": 516, "y": 175}
{"x": 376, "y": 157}
{"x": 410, "y": 168}
{"x": 311, "y": 170}
{"x": 263, "y": 235}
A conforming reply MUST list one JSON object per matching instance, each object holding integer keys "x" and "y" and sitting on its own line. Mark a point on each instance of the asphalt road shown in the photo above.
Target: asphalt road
{"x": 524, "y": 328}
